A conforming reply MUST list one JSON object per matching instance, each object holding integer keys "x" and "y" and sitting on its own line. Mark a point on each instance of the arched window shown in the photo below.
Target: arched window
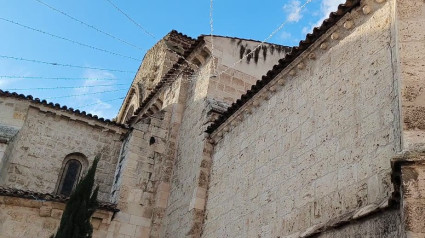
{"x": 71, "y": 173}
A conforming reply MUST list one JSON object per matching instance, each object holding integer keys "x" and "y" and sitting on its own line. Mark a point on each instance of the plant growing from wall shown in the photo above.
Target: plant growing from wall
{"x": 75, "y": 221}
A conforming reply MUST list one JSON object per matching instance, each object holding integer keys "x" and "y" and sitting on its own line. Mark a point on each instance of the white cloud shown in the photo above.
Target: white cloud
{"x": 4, "y": 82}
{"x": 12, "y": 70}
{"x": 285, "y": 35}
{"x": 293, "y": 11}
{"x": 306, "y": 30}
{"x": 101, "y": 109}
{"x": 93, "y": 103}
{"x": 326, "y": 7}
{"x": 98, "y": 75}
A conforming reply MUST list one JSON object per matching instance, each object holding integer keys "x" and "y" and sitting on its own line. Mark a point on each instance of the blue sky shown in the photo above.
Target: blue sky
{"x": 100, "y": 91}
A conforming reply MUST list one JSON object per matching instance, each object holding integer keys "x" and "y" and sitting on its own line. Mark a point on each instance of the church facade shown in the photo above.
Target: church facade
{"x": 226, "y": 137}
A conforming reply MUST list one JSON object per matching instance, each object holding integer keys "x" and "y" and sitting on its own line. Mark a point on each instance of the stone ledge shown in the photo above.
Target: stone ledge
{"x": 54, "y": 209}
{"x": 12, "y": 196}
{"x": 346, "y": 219}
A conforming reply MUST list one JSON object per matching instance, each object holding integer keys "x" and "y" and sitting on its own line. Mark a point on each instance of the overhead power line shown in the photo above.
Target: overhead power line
{"x": 265, "y": 40}
{"x": 69, "y": 40}
{"x": 131, "y": 19}
{"x": 211, "y": 35}
{"x": 63, "y": 65}
{"x": 147, "y": 32}
{"x": 101, "y": 102}
{"x": 90, "y": 26}
{"x": 55, "y": 78}
{"x": 63, "y": 87}
{"x": 86, "y": 94}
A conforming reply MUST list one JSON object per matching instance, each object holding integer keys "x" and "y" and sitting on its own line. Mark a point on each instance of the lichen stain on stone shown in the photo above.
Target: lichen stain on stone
{"x": 415, "y": 118}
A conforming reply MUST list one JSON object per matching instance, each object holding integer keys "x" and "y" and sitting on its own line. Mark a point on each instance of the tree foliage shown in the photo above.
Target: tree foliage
{"x": 75, "y": 222}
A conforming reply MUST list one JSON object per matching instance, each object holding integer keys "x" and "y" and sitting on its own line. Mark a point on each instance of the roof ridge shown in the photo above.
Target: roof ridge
{"x": 180, "y": 34}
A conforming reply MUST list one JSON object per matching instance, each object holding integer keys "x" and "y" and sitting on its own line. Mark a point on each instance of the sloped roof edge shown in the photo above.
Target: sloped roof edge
{"x": 57, "y": 106}
{"x": 334, "y": 17}
{"x": 170, "y": 74}
{"x": 172, "y": 32}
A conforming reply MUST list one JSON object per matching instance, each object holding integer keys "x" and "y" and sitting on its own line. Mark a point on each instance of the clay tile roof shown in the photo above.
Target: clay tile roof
{"x": 184, "y": 40}
{"x": 334, "y": 17}
{"x": 57, "y": 106}
{"x": 12, "y": 192}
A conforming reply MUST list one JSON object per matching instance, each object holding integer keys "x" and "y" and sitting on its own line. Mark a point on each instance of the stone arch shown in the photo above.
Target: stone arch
{"x": 132, "y": 102}
{"x": 129, "y": 113}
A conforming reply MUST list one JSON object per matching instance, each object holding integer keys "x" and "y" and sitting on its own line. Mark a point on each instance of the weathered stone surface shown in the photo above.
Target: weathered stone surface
{"x": 320, "y": 147}
{"x": 308, "y": 156}
{"x": 36, "y": 154}
{"x": 383, "y": 225}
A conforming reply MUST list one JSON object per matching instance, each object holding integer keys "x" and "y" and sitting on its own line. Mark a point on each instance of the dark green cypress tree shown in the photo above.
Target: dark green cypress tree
{"x": 75, "y": 221}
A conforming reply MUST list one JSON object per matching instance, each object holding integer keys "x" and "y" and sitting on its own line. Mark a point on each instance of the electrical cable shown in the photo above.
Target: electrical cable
{"x": 131, "y": 19}
{"x": 90, "y": 26}
{"x": 264, "y": 41}
{"x": 69, "y": 40}
{"x": 85, "y": 94}
{"x": 91, "y": 104}
{"x": 55, "y": 78}
{"x": 63, "y": 87}
{"x": 63, "y": 65}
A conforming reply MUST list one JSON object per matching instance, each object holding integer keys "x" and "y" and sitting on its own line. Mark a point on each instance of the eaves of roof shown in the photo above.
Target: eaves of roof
{"x": 57, "y": 106}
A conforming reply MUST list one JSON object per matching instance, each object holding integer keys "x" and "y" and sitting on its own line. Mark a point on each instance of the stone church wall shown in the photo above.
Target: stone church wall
{"x": 12, "y": 117}
{"x": 34, "y": 158}
{"x": 20, "y": 217}
{"x": 320, "y": 146}
{"x": 386, "y": 224}
{"x": 178, "y": 216}
{"x": 411, "y": 46}
{"x": 231, "y": 80}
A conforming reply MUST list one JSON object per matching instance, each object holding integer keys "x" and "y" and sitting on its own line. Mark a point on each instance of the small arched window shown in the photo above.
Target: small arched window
{"x": 71, "y": 173}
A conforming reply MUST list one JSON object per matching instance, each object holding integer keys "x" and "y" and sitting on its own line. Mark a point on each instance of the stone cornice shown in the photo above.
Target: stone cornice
{"x": 12, "y": 192}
